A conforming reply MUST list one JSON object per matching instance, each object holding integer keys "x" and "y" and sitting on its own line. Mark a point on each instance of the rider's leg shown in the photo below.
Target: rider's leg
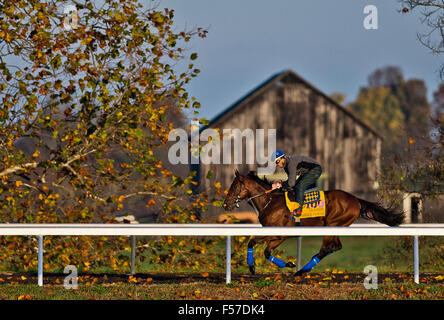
{"x": 306, "y": 180}
{"x": 303, "y": 183}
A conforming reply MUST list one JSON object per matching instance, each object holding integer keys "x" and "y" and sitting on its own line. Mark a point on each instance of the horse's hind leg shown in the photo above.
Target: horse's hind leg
{"x": 273, "y": 244}
{"x": 330, "y": 244}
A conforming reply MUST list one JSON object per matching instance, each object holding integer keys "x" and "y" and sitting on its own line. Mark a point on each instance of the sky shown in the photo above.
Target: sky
{"x": 323, "y": 41}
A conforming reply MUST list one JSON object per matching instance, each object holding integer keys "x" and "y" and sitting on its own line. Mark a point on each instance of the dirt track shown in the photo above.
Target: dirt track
{"x": 164, "y": 278}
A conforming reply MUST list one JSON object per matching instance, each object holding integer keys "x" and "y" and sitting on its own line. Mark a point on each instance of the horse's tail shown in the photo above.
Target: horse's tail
{"x": 372, "y": 210}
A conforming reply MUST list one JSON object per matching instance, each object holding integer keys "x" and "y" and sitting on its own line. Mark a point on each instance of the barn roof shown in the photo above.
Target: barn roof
{"x": 269, "y": 83}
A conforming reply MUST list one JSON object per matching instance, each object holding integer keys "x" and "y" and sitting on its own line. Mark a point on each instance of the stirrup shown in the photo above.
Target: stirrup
{"x": 296, "y": 216}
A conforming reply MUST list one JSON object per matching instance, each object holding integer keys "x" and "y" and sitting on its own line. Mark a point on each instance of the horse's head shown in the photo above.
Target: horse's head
{"x": 238, "y": 191}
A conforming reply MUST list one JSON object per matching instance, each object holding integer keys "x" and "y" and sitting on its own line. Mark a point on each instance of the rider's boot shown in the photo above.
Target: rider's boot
{"x": 296, "y": 214}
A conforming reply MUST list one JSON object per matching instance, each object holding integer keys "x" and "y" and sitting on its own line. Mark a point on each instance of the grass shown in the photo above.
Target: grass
{"x": 358, "y": 252}
{"x": 236, "y": 291}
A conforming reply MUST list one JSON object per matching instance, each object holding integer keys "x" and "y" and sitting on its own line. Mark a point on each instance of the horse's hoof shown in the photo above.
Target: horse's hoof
{"x": 290, "y": 265}
{"x": 299, "y": 273}
{"x": 252, "y": 269}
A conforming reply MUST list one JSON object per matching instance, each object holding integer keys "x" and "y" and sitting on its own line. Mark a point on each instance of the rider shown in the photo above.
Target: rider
{"x": 309, "y": 170}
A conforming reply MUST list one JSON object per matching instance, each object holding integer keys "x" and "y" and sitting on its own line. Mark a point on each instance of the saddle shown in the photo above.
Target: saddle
{"x": 314, "y": 203}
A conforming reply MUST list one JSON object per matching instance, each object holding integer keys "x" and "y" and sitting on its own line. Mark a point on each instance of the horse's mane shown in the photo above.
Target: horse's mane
{"x": 253, "y": 175}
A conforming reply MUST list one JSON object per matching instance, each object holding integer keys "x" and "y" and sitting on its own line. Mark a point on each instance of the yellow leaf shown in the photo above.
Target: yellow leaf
{"x": 18, "y": 183}
{"x": 121, "y": 198}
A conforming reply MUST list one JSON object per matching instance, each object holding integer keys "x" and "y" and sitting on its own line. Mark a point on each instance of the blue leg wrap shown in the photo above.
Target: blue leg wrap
{"x": 277, "y": 262}
{"x": 250, "y": 258}
{"x": 314, "y": 261}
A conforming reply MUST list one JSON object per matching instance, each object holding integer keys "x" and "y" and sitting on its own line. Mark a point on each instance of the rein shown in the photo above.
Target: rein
{"x": 267, "y": 192}
{"x": 238, "y": 199}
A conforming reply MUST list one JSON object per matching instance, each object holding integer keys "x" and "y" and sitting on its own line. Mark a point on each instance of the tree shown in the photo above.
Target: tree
{"x": 438, "y": 102}
{"x": 390, "y": 77}
{"x": 339, "y": 97}
{"x": 395, "y": 107}
{"x": 432, "y": 17}
{"x": 381, "y": 109}
{"x": 421, "y": 170}
{"x": 79, "y": 92}
{"x": 438, "y": 114}
{"x": 413, "y": 158}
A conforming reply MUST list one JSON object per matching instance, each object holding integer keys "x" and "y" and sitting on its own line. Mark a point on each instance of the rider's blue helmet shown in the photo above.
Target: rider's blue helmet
{"x": 278, "y": 154}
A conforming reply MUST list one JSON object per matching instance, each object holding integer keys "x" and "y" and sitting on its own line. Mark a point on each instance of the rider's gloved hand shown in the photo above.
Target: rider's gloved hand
{"x": 276, "y": 185}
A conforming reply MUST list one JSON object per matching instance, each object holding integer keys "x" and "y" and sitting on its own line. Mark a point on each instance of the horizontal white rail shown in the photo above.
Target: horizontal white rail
{"x": 215, "y": 230}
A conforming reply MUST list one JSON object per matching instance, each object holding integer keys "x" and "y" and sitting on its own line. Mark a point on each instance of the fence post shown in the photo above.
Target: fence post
{"x": 228, "y": 260}
{"x": 299, "y": 252}
{"x": 133, "y": 254}
{"x": 416, "y": 258}
{"x": 40, "y": 262}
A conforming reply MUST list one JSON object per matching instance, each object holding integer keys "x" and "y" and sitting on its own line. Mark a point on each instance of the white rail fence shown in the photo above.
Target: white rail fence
{"x": 133, "y": 230}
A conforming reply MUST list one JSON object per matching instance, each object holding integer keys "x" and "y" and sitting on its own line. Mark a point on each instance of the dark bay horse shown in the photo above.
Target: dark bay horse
{"x": 342, "y": 209}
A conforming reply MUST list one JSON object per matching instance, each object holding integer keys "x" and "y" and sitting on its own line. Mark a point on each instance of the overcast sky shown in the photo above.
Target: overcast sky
{"x": 323, "y": 41}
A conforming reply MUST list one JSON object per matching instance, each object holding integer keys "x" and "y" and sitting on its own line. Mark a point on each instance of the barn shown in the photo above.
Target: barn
{"x": 308, "y": 122}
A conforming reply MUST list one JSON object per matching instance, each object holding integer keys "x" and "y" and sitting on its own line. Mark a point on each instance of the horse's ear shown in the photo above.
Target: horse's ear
{"x": 238, "y": 175}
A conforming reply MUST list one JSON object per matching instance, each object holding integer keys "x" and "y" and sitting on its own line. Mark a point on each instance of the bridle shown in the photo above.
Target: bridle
{"x": 238, "y": 198}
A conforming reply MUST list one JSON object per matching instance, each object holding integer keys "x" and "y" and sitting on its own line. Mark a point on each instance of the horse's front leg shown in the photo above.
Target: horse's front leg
{"x": 250, "y": 257}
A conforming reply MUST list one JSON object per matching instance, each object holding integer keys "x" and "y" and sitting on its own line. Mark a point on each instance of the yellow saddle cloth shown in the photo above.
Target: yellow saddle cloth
{"x": 314, "y": 204}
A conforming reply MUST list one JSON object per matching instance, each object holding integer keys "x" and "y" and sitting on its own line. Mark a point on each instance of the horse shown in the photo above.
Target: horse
{"x": 342, "y": 209}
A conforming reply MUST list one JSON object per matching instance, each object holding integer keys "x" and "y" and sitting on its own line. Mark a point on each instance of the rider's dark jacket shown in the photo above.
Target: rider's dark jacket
{"x": 296, "y": 165}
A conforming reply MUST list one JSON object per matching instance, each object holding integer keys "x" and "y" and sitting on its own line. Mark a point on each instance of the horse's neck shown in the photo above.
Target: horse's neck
{"x": 260, "y": 201}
